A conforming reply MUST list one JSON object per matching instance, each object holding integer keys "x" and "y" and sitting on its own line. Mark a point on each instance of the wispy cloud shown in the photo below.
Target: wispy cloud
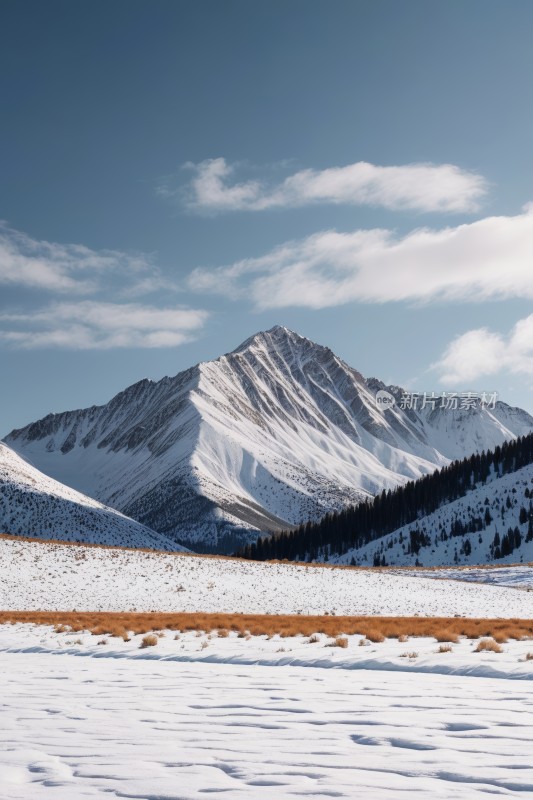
{"x": 91, "y": 325}
{"x": 481, "y": 352}
{"x": 487, "y": 259}
{"x": 417, "y": 187}
{"x": 67, "y": 268}
{"x": 76, "y": 270}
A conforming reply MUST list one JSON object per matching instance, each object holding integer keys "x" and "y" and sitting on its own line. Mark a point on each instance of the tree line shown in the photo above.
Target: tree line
{"x": 358, "y": 525}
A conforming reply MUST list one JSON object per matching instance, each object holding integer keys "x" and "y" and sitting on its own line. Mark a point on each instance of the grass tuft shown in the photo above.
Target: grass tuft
{"x": 489, "y": 645}
{"x": 150, "y": 640}
{"x": 375, "y": 635}
{"x": 341, "y": 641}
{"x": 447, "y": 636}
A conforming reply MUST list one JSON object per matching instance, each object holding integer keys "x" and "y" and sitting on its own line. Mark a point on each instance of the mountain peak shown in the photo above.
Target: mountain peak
{"x": 278, "y": 432}
{"x": 276, "y": 338}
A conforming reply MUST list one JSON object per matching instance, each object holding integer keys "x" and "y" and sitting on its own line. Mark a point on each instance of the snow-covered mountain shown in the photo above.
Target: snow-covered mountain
{"x": 492, "y": 523}
{"x": 32, "y": 504}
{"x": 279, "y": 431}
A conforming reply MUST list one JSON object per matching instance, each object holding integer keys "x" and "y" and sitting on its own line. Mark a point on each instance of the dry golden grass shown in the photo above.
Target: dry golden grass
{"x": 445, "y": 648}
{"x": 412, "y": 654}
{"x": 490, "y": 645}
{"x": 150, "y": 640}
{"x": 223, "y": 633}
{"x": 375, "y": 635}
{"x": 529, "y": 656}
{"x": 446, "y": 636}
{"x": 403, "y": 638}
{"x": 372, "y": 628}
{"x": 341, "y": 641}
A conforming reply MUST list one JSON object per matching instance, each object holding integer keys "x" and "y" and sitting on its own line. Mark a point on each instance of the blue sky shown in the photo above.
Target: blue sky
{"x": 175, "y": 176}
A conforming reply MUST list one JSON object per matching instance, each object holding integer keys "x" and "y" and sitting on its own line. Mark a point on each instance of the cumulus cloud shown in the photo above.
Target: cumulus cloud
{"x": 416, "y": 187}
{"x": 92, "y": 325}
{"x": 481, "y": 352}
{"x": 66, "y": 268}
{"x": 487, "y": 259}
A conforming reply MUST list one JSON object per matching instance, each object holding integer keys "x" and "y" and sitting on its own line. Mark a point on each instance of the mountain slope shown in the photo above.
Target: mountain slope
{"x": 277, "y": 432}
{"x": 475, "y": 511}
{"x": 32, "y": 504}
{"x": 490, "y": 524}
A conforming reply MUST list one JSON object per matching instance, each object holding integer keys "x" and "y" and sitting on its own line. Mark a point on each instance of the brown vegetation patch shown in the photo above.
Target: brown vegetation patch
{"x": 490, "y": 645}
{"x": 446, "y": 636}
{"x": 150, "y": 640}
{"x": 373, "y": 628}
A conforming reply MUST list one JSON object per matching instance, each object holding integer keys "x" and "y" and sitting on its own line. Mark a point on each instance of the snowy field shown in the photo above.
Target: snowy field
{"x": 519, "y": 576}
{"x": 78, "y": 721}
{"x": 39, "y": 576}
{"x": 198, "y": 715}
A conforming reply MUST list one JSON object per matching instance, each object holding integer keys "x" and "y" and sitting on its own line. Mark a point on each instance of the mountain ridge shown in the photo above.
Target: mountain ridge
{"x": 277, "y": 431}
{"x": 35, "y": 505}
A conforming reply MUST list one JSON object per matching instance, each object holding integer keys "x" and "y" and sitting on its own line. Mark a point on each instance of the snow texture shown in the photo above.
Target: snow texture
{"x": 43, "y": 576}
{"x": 81, "y": 720}
{"x": 518, "y": 576}
{"x": 32, "y": 504}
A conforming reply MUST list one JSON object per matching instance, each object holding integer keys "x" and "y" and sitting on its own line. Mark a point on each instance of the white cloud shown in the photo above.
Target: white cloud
{"x": 93, "y": 325}
{"x": 480, "y": 352}
{"x": 491, "y": 258}
{"x": 416, "y": 187}
{"x": 65, "y": 268}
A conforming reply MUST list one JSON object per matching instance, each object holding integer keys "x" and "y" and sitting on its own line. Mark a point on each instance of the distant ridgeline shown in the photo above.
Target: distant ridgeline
{"x": 356, "y": 526}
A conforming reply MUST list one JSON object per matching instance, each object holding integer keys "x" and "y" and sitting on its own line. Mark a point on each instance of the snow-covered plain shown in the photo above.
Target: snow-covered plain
{"x": 519, "y": 576}
{"x": 179, "y": 721}
{"x": 257, "y": 718}
{"x": 46, "y": 576}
